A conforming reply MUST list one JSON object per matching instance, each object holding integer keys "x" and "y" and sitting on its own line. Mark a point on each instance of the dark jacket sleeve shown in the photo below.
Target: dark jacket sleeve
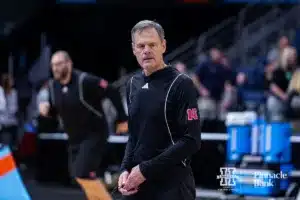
{"x": 187, "y": 116}
{"x": 127, "y": 160}
{"x": 106, "y": 90}
{"x": 278, "y": 77}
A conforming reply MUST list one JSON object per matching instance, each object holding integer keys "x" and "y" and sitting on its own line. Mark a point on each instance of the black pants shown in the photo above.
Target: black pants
{"x": 181, "y": 190}
{"x": 86, "y": 156}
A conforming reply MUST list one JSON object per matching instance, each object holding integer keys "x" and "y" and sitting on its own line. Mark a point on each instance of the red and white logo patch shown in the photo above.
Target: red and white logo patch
{"x": 192, "y": 114}
{"x": 103, "y": 83}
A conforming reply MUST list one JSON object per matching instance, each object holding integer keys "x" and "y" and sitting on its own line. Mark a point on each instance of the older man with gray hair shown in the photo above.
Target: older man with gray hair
{"x": 164, "y": 124}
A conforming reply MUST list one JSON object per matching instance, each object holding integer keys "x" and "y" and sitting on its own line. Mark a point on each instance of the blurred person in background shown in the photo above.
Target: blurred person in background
{"x": 274, "y": 55}
{"x": 251, "y": 85}
{"x": 276, "y": 102}
{"x": 269, "y": 68}
{"x": 214, "y": 83}
{"x": 293, "y": 102}
{"x": 181, "y": 67}
{"x": 76, "y": 97}
{"x": 229, "y": 98}
{"x": 8, "y": 116}
{"x": 277, "y": 56}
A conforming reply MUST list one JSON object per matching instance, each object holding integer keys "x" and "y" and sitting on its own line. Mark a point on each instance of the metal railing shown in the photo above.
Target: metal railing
{"x": 223, "y": 35}
{"x": 209, "y": 38}
{"x": 258, "y": 37}
{"x": 189, "y": 51}
{"x": 184, "y": 53}
{"x": 242, "y": 42}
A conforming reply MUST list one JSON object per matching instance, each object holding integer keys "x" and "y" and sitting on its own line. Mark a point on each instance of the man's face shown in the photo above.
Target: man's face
{"x": 148, "y": 48}
{"x": 215, "y": 55}
{"x": 283, "y": 42}
{"x": 60, "y": 66}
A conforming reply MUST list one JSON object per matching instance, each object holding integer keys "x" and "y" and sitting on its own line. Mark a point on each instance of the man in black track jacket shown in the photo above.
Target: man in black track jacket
{"x": 164, "y": 124}
{"x": 76, "y": 98}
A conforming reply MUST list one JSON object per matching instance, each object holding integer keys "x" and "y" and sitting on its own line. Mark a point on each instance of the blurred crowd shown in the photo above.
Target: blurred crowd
{"x": 271, "y": 88}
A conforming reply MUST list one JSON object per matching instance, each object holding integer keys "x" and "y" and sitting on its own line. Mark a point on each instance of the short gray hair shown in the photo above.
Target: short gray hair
{"x": 145, "y": 24}
{"x": 65, "y": 54}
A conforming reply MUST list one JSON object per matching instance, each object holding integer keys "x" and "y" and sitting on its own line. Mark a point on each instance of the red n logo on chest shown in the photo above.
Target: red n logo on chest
{"x": 192, "y": 114}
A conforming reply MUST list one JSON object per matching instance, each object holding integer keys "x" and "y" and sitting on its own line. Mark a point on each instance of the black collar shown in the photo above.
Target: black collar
{"x": 159, "y": 73}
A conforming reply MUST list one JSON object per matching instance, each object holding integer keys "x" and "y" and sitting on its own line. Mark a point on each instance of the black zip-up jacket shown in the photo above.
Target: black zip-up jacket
{"x": 164, "y": 123}
{"x": 78, "y": 103}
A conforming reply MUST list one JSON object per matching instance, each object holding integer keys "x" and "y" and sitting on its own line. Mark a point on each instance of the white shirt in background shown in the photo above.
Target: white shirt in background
{"x": 8, "y": 113}
{"x": 2, "y": 100}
